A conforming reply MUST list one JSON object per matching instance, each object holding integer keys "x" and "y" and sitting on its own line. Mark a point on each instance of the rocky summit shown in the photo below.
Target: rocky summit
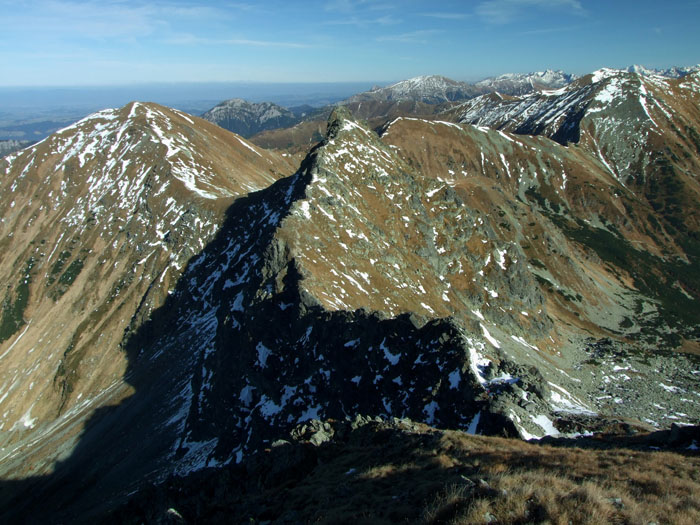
{"x": 524, "y": 83}
{"x": 430, "y": 89}
{"x": 248, "y": 118}
{"x": 179, "y": 299}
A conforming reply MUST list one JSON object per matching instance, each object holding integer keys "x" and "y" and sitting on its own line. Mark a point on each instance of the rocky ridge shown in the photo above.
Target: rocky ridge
{"x": 429, "y": 89}
{"x": 671, "y": 72}
{"x": 598, "y": 113}
{"x": 460, "y": 276}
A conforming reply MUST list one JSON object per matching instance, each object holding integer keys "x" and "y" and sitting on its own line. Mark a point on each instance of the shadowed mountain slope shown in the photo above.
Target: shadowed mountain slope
{"x": 98, "y": 221}
{"x": 459, "y": 276}
{"x": 400, "y": 471}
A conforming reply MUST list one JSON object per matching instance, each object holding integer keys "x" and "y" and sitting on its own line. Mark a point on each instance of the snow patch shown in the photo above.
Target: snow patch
{"x": 251, "y": 148}
{"x": 392, "y": 358}
{"x": 489, "y": 337}
{"x": 263, "y": 353}
{"x": 474, "y": 424}
{"x": 455, "y": 377}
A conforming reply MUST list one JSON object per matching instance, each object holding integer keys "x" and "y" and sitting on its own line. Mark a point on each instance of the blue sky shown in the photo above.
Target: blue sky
{"x": 61, "y": 42}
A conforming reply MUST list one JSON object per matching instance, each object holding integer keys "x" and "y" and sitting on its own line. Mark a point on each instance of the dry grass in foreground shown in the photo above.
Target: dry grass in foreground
{"x": 525, "y": 483}
{"x": 405, "y": 472}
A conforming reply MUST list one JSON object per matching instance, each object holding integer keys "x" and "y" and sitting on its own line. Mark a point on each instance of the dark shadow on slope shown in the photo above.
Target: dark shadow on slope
{"x": 389, "y": 472}
{"x": 568, "y": 130}
{"x": 124, "y": 444}
{"x": 237, "y": 356}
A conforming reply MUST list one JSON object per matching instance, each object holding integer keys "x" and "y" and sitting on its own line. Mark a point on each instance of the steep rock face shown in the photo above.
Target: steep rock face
{"x": 643, "y": 130}
{"x": 97, "y": 223}
{"x": 248, "y": 118}
{"x": 592, "y": 251}
{"x": 594, "y": 110}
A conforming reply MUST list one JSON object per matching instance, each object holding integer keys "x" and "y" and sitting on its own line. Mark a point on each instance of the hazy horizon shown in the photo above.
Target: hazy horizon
{"x": 177, "y": 93}
{"x": 33, "y": 113}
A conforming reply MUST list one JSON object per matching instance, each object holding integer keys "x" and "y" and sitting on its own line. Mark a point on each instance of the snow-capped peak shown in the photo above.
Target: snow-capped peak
{"x": 431, "y": 89}
{"x": 604, "y": 74}
{"x": 523, "y": 83}
{"x": 671, "y": 72}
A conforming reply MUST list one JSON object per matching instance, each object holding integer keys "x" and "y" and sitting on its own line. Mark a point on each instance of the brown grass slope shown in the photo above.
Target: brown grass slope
{"x": 405, "y": 472}
{"x": 97, "y": 222}
{"x": 301, "y": 137}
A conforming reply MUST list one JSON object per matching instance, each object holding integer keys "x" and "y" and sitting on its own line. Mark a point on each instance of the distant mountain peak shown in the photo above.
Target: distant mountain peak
{"x": 248, "y": 118}
{"x": 426, "y": 79}
{"x": 523, "y": 83}
{"x": 670, "y": 72}
{"x": 431, "y": 89}
{"x": 605, "y": 73}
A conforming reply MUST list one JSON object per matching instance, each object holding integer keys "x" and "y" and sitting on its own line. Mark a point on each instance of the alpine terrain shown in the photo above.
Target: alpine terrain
{"x": 521, "y": 84}
{"x": 247, "y": 118}
{"x": 422, "y": 97}
{"x": 192, "y": 319}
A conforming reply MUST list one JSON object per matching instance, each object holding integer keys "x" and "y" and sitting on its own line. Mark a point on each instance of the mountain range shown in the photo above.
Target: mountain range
{"x": 671, "y": 72}
{"x": 248, "y": 118}
{"x": 180, "y": 301}
{"x": 425, "y": 97}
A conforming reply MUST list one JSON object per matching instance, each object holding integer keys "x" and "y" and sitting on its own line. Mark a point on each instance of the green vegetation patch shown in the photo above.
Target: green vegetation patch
{"x": 14, "y": 304}
{"x": 71, "y": 272}
{"x": 64, "y": 278}
{"x": 653, "y": 276}
{"x": 694, "y": 137}
{"x": 58, "y": 267}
